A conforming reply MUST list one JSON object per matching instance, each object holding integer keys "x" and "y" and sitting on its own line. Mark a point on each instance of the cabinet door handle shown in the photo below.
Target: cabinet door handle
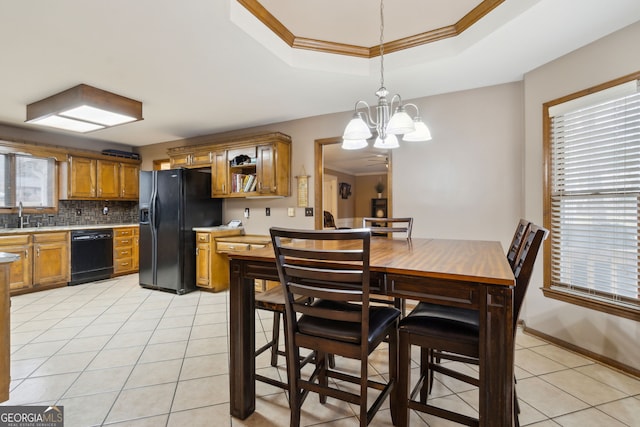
{"x": 223, "y": 188}
{"x": 38, "y": 252}
{"x": 26, "y": 254}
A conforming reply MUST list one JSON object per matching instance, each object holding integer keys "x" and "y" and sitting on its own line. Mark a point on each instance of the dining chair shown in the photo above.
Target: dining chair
{"x": 389, "y": 226}
{"x": 340, "y": 319}
{"x": 517, "y": 240}
{"x": 453, "y": 333}
{"x": 273, "y": 300}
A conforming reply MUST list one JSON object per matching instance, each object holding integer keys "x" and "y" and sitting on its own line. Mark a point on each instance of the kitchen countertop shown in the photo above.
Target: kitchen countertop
{"x": 29, "y": 230}
{"x": 217, "y": 228}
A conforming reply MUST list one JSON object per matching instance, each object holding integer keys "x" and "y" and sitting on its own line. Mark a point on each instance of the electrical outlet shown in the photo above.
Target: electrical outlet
{"x": 308, "y": 211}
{"x": 78, "y": 212}
{"x": 267, "y": 211}
{"x": 105, "y": 210}
{"x": 246, "y": 212}
{"x": 291, "y": 211}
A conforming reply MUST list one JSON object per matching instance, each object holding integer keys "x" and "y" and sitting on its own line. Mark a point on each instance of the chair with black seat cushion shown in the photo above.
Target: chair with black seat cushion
{"x": 315, "y": 264}
{"x": 273, "y": 300}
{"x": 390, "y": 228}
{"x": 453, "y": 333}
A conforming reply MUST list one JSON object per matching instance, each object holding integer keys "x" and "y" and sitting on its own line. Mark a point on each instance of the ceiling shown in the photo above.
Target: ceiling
{"x": 209, "y": 66}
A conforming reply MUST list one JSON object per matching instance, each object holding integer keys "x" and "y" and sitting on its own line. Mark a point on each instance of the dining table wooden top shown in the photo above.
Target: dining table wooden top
{"x": 476, "y": 261}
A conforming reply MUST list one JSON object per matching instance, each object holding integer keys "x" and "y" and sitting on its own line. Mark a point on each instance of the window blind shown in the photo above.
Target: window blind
{"x": 595, "y": 199}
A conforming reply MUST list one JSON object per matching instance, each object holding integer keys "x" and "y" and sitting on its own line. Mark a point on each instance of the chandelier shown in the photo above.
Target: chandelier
{"x": 387, "y": 126}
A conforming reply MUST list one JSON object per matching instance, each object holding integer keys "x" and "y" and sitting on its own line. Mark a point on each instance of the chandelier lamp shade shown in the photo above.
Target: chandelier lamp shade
{"x": 387, "y": 126}
{"x": 84, "y": 109}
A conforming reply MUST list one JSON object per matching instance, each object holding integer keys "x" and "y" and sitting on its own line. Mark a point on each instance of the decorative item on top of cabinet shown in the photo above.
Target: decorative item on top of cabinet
{"x": 84, "y": 178}
{"x": 248, "y": 166}
{"x": 125, "y": 250}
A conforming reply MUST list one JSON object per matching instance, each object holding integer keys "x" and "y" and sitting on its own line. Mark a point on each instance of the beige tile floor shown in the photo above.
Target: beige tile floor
{"x": 115, "y": 354}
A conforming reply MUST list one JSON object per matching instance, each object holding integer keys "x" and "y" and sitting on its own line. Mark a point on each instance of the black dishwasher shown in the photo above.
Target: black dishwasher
{"x": 91, "y": 255}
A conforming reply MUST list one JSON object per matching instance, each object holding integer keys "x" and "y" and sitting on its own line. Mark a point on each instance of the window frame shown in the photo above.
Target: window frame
{"x": 12, "y": 176}
{"x": 580, "y": 299}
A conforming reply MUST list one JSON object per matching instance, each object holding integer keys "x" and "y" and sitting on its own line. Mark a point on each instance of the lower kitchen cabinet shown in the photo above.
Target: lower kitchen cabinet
{"x": 51, "y": 260}
{"x": 212, "y": 267}
{"x": 5, "y": 328}
{"x": 44, "y": 260}
{"x": 125, "y": 250}
{"x": 20, "y": 270}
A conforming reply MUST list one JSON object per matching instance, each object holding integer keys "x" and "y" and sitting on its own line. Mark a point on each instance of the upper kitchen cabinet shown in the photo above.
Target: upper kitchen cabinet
{"x": 188, "y": 159}
{"x": 83, "y": 178}
{"x": 250, "y": 166}
{"x": 108, "y": 179}
{"x": 129, "y": 181}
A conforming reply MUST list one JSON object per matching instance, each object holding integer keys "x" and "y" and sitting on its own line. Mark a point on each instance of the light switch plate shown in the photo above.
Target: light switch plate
{"x": 291, "y": 211}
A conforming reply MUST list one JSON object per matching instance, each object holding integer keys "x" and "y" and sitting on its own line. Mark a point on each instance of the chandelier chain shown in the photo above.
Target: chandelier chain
{"x": 381, "y": 43}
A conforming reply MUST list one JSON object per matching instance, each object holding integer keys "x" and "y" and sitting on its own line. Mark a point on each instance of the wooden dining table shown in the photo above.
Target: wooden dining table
{"x": 463, "y": 273}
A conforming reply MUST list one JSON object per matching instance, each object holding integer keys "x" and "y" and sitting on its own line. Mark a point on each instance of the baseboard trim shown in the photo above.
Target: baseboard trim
{"x": 583, "y": 352}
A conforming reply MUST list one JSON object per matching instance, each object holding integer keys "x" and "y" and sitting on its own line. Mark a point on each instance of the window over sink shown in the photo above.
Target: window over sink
{"x": 29, "y": 180}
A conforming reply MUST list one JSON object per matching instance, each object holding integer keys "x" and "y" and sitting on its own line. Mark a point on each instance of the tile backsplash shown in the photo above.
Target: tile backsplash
{"x": 90, "y": 213}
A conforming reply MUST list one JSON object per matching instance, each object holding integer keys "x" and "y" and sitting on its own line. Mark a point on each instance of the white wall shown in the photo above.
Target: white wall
{"x": 465, "y": 183}
{"x": 609, "y": 58}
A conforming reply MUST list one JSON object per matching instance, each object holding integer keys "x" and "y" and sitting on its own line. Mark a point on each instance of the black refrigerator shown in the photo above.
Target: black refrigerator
{"x": 172, "y": 202}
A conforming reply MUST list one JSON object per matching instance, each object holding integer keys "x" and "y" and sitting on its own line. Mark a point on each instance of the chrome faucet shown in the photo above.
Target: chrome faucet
{"x": 24, "y": 220}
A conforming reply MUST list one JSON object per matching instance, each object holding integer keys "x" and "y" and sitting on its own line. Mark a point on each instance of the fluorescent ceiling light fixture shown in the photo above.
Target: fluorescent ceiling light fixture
{"x": 84, "y": 109}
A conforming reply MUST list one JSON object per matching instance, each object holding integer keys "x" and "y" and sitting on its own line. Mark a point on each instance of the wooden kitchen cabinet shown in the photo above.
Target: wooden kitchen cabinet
{"x": 51, "y": 258}
{"x": 44, "y": 261}
{"x": 129, "y": 181}
{"x": 212, "y": 267}
{"x": 268, "y": 167}
{"x": 82, "y": 178}
{"x": 104, "y": 179}
{"x": 203, "y": 260}
{"x": 136, "y": 249}
{"x": 124, "y": 248}
{"x": 5, "y": 328}
{"x": 19, "y": 270}
{"x": 191, "y": 159}
{"x": 108, "y": 179}
{"x": 273, "y": 169}
{"x": 219, "y": 174}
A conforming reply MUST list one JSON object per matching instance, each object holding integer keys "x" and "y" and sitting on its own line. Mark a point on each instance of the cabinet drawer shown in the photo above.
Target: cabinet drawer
{"x": 14, "y": 240}
{"x": 121, "y": 265}
{"x": 232, "y": 247}
{"x": 122, "y": 242}
{"x": 203, "y": 237}
{"x": 122, "y": 253}
{"x": 50, "y": 237}
{"x": 122, "y": 232}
